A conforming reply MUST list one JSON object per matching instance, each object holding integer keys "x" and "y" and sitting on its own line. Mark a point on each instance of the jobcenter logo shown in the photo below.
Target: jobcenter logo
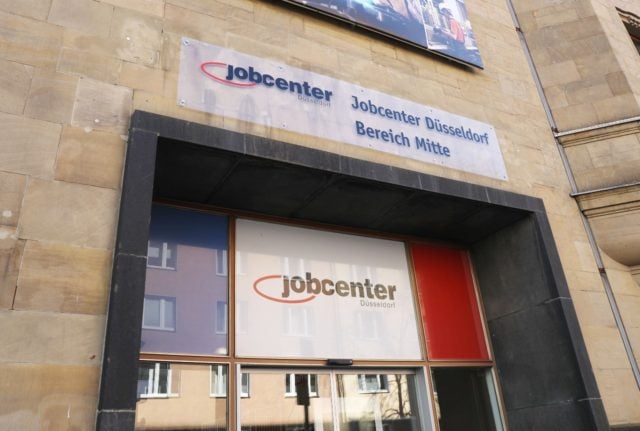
{"x": 297, "y": 290}
{"x": 250, "y": 77}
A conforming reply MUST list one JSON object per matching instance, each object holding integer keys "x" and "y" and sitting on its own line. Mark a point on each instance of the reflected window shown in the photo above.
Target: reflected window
{"x": 194, "y": 244}
{"x": 218, "y": 381}
{"x": 244, "y": 385}
{"x": 367, "y": 324}
{"x": 290, "y": 384}
{"x": 372, "y": 383}
{"x": 161, "y": 254}
{"x": 222, "y": 263}
{"x": 176, "y": 396}
{"x": 154, "y": 380}
{"x": 242, "y": 317}
{"x": 222, "y": 316}
{"x": 159, "y": 313}
{"x": 468, "y": 390}
{"x": 298, "y": 322}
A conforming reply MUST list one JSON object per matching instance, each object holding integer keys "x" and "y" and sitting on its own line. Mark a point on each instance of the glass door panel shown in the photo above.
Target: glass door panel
{"x": 377, "y": 402}
{"x": 286, "y": 400}
{"x": 293, "y": 400}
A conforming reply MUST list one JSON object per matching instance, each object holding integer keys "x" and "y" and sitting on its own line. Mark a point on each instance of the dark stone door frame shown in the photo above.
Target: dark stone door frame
{"x": 545, "y": 374}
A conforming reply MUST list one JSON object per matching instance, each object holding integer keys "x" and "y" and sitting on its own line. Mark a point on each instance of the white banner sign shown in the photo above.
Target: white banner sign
{"x": 302, "y": 293}
{"x": 231, "y": 84}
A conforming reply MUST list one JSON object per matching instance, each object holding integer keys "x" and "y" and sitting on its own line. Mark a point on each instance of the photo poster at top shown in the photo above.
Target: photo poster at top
{"x": 231, "y": 84}
{"x": 441, "y": 26}
{"x": 303, "y": 293}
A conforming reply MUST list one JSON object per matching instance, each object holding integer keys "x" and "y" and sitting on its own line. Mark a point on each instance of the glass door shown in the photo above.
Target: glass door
{"x": 327, "y": 400}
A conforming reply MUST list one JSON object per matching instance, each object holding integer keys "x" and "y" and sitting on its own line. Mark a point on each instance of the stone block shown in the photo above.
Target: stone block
{"x": 51, "y": 96}
{"x": 139, "y": 36}
{"x": 10, "y": 258}
{"x": 552, "y": 16}
{"x": 587, "y": 90}
{"x": 28, "y": 41}
{"x": 623, "y": 282}
{"x": 58, "y": 277}
{"x": 11, "y": 193}
{"x": 559, "y": 73}
{"x": 620, "y": 396}
{"x": 89, "y": 64}
{"x": 88, "y": 16}
{"x": 39, "y": 397}
{"x": 90, "y": 43}
{"x": 605, "y": 347}
{"x": 140, "y": 77}
{"x": 271, "y": 14}
{"x": 593, "y": 308}
{"x": 37, "y": 9}
{"x": 148, "y": 7}
{"x": 629, "y": 306}
{"x": 201, "y": 6}
{"x": 15, "y": 80}
{"x": 28, "y": 146}
{"x": 102, "y": 106}
{"x": 90, "y": 157}
{"x": 51, "y": 338}
{"x": 189, "y": 23}
{"x": 618, "y": 83}
{"x": 575, "y": 116}
{"x": 71, "y": 213}
{"x": 617, "y": 107}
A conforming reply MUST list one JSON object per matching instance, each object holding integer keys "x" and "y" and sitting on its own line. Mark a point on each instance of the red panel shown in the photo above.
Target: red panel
{"x": 448, "y": 304}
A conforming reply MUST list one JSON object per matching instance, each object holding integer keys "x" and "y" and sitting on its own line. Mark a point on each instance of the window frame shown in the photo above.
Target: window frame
{"x": 290, "y": 385}
{"x": 381, "y": 388}
{"x": 162, "y": 313}
{"x": 167, "y": 251}
{"x": 221, "y": 374}
{"x": 154, "y": 374}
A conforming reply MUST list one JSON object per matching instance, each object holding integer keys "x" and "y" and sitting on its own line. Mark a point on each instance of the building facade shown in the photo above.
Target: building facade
{"x": 237, "y": 214}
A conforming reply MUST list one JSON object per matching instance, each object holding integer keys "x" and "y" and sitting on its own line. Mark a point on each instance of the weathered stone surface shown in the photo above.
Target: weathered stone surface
{"x": 72, "y": 213}
{"x": 140, "y": 77}
{"x": 606, "y": 348}
{"x": 57, "y": 277}
{"x": 50, "y": 338}
{"x": 37, "y": 9}
{"x": 149, "y": 7}
{"x": 90, "y": 157}
{"x": 38, "y": 397}
{"x": 11, "y": 193}
{"x": 15, "y": 80}
{"x": 102, "y": 106}
{"x": 28, "y": 41}
{"x": 620, "y": 395}
{"x": 139, "y": 36}
{"x": 86, "y": 15}
{"x": 101, "y": 46}
{"x": 10, "y": 258}
{"x": 89, "y": 64}
{"x": 28, "y": 146}
{"x": 51, "y": 96}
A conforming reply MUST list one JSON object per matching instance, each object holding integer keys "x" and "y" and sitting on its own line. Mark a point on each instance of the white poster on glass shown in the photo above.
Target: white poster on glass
{"x": 303, "y": 293}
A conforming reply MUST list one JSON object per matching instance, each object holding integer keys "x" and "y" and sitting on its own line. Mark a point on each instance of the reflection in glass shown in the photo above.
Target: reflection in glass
{"x": 377, "y": 402}
{"x": 176, "y": 396}
{"x": 277, "y": 402}
{"x": 468, "y": 390}
{"x": 186, "y": 295}
{"x": 154, "y": 379}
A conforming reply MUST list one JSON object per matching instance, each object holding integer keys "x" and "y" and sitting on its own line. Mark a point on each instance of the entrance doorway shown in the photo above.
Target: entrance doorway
{"x": 330, "y": 400}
